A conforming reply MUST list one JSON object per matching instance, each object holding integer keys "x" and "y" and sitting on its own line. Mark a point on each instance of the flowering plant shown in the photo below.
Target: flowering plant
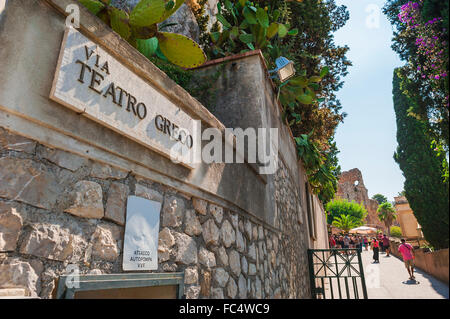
{"x": 430, "y": 41}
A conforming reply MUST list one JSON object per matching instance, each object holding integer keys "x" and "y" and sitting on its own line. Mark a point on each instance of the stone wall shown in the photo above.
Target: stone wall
{"x": 57, "y": 208}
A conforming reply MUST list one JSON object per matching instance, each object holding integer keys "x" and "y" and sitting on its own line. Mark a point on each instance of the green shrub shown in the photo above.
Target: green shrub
{"x": 396, "y": 232}
{"x": 338, "y": 207}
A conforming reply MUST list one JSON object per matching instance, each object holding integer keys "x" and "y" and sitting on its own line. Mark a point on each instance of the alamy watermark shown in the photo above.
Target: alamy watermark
{"x": 233, "y": 145}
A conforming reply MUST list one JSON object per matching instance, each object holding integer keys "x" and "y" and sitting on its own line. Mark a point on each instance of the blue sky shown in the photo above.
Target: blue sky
{"x": 367, "y": 138}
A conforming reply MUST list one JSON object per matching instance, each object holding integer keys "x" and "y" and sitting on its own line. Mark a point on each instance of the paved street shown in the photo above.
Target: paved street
{"x": 390, "y": 280}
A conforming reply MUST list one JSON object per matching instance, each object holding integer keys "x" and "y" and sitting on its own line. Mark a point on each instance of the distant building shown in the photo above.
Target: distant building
{"x": 405, "y": 216}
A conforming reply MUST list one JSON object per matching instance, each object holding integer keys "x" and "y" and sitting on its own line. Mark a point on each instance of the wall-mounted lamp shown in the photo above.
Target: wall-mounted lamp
{"x": 285, "y": 69}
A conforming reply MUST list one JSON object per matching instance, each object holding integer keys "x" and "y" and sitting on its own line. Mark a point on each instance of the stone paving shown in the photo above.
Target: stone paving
{"x": 390, "y": 280}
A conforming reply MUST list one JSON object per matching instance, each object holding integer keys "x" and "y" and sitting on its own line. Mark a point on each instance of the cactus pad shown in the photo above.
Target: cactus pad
{"x": 181, "y": 50}
{"x": 147, "y": 12}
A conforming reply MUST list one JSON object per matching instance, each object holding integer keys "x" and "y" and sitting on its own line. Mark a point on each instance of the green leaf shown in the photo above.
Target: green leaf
{"x": 272, "y": 30}
{"x": 276, "y": 15}
{"x": 251, "y": 46}
{"x": 315, "y": 79}
{"x": 249, "y": 16}
{"x": 147, "y": 47}
{"x": 246, "y": 38}
{"x": 304, "y": 99}
{"x": 314, "y": 86}
{"x": 282, "y": 30}
{"x": 262, "y": 17}
{"x": 222, "y": 20}
{"x": 242, "y": 2}
{"x": 234, "y": 33}
{"x": 293, "y": 31}
{"x": 301, "y": 81}
{"x": 244, "y": 25}
{"x": 160, "y": 55}
{"x": 93, "y": 6}
{"x": 325, "y": 70}
{"x": 181, "y": 50}
{"x": 228, "y": 5}
{"x": 119, "y": 22}
{"x": 147, "y": 12}
{"x": 215, "y": 36}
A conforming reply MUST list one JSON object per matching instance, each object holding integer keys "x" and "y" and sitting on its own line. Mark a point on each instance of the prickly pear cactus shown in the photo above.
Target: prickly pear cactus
{"x": 138, "y": 24}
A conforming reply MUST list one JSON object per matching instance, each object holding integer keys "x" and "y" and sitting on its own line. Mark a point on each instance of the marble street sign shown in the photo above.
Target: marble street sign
{"x": 140, "y": 249}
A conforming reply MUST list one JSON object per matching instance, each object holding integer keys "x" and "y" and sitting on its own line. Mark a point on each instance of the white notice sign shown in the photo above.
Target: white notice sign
{"x": 92, "y": 82}
{"x": 140, "y": 249}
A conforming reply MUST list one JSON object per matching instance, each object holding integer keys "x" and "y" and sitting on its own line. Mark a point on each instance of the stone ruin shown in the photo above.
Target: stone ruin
{"x": 351, "y": 187}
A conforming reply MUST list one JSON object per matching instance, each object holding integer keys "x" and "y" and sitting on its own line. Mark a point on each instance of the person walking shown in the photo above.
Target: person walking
{"x": 380, "y": 242}
{"x": 407, "y": 252}
{"x": 346, "y": 241}
{"x": 366, "y": 243}
{"x": 332, "y": 242}
{"x": 386, "y": 245}
{"x": 376, "y": 250}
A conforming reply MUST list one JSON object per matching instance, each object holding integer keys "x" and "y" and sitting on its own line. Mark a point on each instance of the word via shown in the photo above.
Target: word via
{"x": 117, "y": 94}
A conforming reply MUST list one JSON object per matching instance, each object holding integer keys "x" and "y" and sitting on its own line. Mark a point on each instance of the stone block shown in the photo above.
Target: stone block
{"x": 235, "y": 263}
{"x": 240, "y": 243}
{"x": 186, "y": 249}
{"x": 248, "y": 229}
{"x": 62, "y": 158}
{"x": 222, "y": 256}
{"x": 242, "y": 284}
{"x": 105, "y": 244}
{"x": 228, "y": 234}
{"x": 192, "y": 292}
{"x": 210, "y": 232}
{"x": 232, "y": 288}
{"x": 166, "y": 239}
{"x": 116, "y": 202}
{"x": 148, "y": 193}
{"x": 190, "y": 275}
{"x": 220, "y": 277}
{"x": 173, "y": 212}
{"x": 217, "y": 293}
{"x": 27, "y": 181}
{"x": 206, "y": 258}
{"x": 200, "y": 206}
{"x": 103, "y": 171}
{"x": 193, "y": 226}
{"x": 87, "y": 200}
{"x": 15, "y": 273}
{"x": 10, "y": 225}
{"x": 54, "y": 242}
{"x": 13, "y": 142}
{"x": 217, "y": 212}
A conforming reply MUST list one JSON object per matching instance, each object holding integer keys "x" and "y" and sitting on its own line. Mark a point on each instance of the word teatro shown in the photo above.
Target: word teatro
{"x": 138, "y": 109}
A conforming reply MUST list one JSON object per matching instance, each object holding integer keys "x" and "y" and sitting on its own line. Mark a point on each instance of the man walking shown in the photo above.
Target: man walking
{"x": 346, "y": 241}
{"x": 407, "y": 252}
{"x": 386, "y": 245}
